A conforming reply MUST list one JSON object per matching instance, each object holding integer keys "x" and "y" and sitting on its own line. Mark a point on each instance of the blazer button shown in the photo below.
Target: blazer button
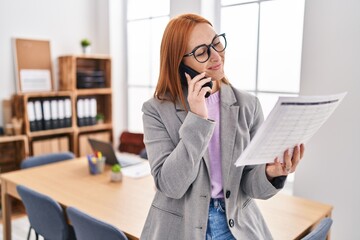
{"x": 227, "y": 194}
{"x": 231, "y": 222}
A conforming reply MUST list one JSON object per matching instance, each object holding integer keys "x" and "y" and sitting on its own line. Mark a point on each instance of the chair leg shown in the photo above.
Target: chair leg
{"x": 37, "y": 235}
{"x": 29, "y": 233}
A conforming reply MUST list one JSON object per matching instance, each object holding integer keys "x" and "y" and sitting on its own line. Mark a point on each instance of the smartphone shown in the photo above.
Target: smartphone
{"x": 184, "y": 68}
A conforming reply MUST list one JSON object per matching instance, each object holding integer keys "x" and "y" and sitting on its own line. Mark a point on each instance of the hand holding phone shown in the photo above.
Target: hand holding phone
{"x": 192, "y": 73}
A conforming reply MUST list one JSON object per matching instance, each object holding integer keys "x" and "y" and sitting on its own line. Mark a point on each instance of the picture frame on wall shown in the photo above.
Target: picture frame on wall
{"x": 33, "y": 65}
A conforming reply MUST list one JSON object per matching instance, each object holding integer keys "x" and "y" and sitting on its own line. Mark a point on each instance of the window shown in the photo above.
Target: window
{"x": 146, "y": 21}
{"x": 264, "y": 47}
{"x": 263, "y": 55}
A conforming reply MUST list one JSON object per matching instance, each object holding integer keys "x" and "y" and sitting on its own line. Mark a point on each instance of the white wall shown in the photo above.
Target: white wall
{"x": 63, "y": 22}
{"x": 330, "y": 64}
{"x": 118, "y": 52}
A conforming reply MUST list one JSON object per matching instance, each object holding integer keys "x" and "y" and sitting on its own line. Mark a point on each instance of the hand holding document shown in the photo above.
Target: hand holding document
{"x": 292, "y": 121}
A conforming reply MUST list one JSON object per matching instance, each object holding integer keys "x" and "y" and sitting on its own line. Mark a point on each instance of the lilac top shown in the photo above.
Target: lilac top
{"x": 213, "y": 106}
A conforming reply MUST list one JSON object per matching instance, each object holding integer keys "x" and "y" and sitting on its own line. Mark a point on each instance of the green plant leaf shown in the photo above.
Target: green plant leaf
{"x": 116, "y": 168}
{"x": 85, "y": 42}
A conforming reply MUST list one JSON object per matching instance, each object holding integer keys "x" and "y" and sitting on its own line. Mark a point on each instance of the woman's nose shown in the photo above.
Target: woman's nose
{"x": 214, "y": 55}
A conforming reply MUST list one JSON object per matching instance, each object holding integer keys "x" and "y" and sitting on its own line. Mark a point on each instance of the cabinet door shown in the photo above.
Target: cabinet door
{"x": 84, "y": 146}
{"x": 52, "y": 145}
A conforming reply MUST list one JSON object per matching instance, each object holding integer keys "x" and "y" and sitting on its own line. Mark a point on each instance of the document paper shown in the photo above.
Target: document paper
{"x": 292, "y": 121}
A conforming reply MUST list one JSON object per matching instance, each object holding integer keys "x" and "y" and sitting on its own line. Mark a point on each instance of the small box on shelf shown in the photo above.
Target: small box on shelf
{"x": 85, "y": 72}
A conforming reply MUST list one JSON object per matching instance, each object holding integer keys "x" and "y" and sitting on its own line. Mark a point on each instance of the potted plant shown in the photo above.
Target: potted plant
{"x": 100, "y": 118}
{"x": 116, "y": 174}
{"x": 85, "y": 44}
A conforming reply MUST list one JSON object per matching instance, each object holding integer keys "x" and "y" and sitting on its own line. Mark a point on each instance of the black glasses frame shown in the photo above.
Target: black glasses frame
{"x": 192, "y": 53}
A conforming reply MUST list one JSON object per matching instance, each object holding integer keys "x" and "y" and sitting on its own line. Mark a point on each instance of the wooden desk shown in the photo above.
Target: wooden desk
{"x": 290, "y": 217}
{"x": 125, "y": 205}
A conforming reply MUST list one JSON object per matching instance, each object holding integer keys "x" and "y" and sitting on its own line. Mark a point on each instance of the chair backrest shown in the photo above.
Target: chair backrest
{"x": 131, "y": 142}
{"x": 321, "y": 230}
{"x": 45, "y": 215}
{"x": 89, "y": 228}
{"x": 46, "y": 159}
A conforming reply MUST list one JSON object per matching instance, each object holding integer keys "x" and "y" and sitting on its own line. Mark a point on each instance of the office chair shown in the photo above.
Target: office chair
{"x": 321, "y": 230}
{"x": 143, "y": 154}
{"x": 131, "y": 142}
{"x": 45, "y": 159}
{"x": 45, "y": 215}
{"x": 89, "y": 228}
{"x": 42, "y": 160}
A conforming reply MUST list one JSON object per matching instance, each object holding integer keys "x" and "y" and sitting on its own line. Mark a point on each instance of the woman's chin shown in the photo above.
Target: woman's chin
{"x": 217, "y": 77}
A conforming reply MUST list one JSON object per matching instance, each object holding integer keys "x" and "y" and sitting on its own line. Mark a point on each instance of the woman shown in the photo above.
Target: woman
{"x": 193, "y": 142}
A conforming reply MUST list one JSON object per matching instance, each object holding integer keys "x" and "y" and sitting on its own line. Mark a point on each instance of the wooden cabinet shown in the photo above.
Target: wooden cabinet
{"x": 85, "y": 84}
{"x": 13, "y": 150}
{"x": 88, "y": 77}
{"x": 41, "y": 128}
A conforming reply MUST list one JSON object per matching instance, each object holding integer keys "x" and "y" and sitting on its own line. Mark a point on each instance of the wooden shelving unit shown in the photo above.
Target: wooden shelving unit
{"x": 45, "y": 141}
{"x": 70, "y": 67}
{"x": 73, "y": 138}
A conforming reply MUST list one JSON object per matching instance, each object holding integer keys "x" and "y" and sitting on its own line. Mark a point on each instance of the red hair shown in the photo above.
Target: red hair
{"x": 173, "y": 46}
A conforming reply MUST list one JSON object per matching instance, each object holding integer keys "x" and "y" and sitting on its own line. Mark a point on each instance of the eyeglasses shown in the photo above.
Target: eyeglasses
{"x": 202, "y": 53}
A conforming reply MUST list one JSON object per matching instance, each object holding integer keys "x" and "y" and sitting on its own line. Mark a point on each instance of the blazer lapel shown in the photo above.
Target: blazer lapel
{"x": 228, "y": 129}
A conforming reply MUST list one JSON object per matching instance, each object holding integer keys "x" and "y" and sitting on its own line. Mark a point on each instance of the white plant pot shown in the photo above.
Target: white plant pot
{"x": 116, "y": 176}
{"x": 86, "y": 50}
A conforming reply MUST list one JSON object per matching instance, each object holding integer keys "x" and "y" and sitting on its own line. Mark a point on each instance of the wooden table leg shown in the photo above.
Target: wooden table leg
{"x": 6, "y": 211}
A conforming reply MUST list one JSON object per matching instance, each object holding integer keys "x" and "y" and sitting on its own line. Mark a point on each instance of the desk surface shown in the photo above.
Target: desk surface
{"x": 126, "y": 204}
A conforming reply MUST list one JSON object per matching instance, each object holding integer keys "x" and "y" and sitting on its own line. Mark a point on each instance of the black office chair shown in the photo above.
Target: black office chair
{"x": 45, "y": 215}
{"x": 321, "y": 230}
{"x": 89, "y": 228}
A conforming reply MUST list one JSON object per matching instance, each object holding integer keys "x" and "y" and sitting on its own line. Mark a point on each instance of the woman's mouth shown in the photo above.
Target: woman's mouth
{"x": 215, "y": 67}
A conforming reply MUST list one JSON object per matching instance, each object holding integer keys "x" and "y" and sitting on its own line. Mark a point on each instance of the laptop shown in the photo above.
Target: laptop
{"x": 112, "y": 158}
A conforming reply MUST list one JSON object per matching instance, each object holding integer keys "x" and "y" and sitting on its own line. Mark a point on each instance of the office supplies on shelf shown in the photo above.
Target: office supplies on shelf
{"x": 293, "y": 120}
{"x": 68, "y": 113}
{"x": 93, "y": 111}
{"x": 61, "y": 113}
{"x": 87, "y": 111}
{"x": 38, "y": 115}
{"x": 80, "y": 112}
{"x": 47, "y": 114}
{"x": 31, "y": 116}
{"x": 90, "y": 79}
{"x": 54, "y": 114}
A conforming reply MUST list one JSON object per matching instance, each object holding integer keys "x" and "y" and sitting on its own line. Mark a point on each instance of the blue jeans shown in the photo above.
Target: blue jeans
{"x": 217, "y": 228}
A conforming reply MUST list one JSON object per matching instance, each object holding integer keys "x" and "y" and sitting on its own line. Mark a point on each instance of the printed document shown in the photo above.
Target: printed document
{"x": 292, "y": 121}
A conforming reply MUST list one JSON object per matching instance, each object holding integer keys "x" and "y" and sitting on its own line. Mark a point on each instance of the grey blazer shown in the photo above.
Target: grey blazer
{"x": 176, "y": 142}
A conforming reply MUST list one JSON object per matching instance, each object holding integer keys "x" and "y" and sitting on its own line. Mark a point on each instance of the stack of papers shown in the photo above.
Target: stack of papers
{"x": 137, "y": 171}
{"x": 293, "y": 120}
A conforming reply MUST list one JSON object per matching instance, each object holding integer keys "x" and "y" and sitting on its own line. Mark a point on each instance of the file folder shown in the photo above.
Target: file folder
{"x": 61, "y": 113}
{"x": 87, "y": 111}
{"x": 80, "y": 112}
{"x": 54, "y": 114}
{"x": 31, "y": 116}
{"x": 38, "y": 115}
{"x": 68, "y": 112}
{"x": 47, "y": 114}
{"x": 93, "y": 111}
